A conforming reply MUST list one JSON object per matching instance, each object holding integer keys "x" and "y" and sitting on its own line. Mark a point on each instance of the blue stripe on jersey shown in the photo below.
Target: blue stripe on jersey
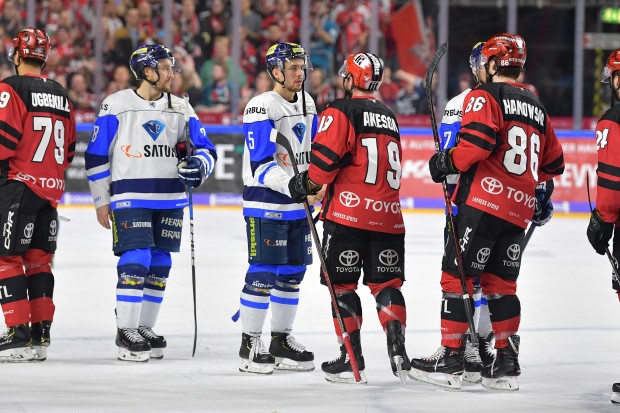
{"x": 147, "y": 185}
{"x": 448, "y": 134}
{"x": 257, "y": 139}
{"x": 199, "y": 137}
{"x": 253, "y": 304}
{"x": 100, "y": 175}
{"x": 282, "y": 300}
{"x": 261, "y": 177}
{"x": 93, "y": 161}
{"x": 271, "y": 213}
{"x": 254, "y": 165}
{"x": 263, "y": 194}
{"x": 315, "y": 126}
{"x": 128, "y": 298}
{"x": 149, "y": 203}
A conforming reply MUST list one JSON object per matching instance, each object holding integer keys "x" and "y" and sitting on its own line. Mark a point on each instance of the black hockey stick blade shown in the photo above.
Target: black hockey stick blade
{"x": 432, "y": 66}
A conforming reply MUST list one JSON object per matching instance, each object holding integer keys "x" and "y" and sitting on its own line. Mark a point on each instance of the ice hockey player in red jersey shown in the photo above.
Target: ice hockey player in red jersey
{"x": 357, "y": 153}
{"x": 37, "y": 143}
{"x": 605, "y": 218}
{"x": 506, "y": 147}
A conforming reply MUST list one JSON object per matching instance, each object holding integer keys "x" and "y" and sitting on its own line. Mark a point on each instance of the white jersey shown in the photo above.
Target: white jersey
{"x": 131, "y": 160}
{"x": 450, "y": 126}
{"x": 266, "y": 167}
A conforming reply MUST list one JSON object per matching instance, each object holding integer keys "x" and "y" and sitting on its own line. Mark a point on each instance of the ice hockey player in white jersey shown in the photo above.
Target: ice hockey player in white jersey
{"x": 138, "y": 165}
{"x": 279, "y": 240}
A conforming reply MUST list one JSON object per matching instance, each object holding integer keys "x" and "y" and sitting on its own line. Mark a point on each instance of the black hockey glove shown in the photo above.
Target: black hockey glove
{"x": 543, "y": 208}
{"x": 300, "y": 186}
{"x": 441, "y": 165}
{"x": 599, "y": 232}
{"x": 192, "y": 171}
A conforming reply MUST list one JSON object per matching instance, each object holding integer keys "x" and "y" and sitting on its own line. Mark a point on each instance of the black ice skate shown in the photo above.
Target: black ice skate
{"x": 396, "y": 350}
{"x": 503, "y": 372}
{"x": 444, "y": 368}
{"x": 487, "y": 349}
{"x": 157, "y": 342}
{"x": 472, "y": 363}
{"x": 132, "y": 346}
{"x": 254, "y": 356}
{"x": 339, "y": 370}
{"x": 289, "y": 354}
{"x": 17, "y": 339}
{"x": 615, "y": 396}
{"x": 40, "y": 333}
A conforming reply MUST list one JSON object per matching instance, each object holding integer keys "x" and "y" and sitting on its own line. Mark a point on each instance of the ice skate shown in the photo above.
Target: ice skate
{"x": 157, "y": 342}
{"x": 132, "y": 346}
{"x": 289, "y": 354}
{"x": 444, "y": 368}
{"x": 487, "y": 349}
{"x": 503, "y": 372}
{"x": 396, "y": 350}
{"x": 615, "y": 396}
{"x": 15, "y": 345}
{"x": 339, "y": 370}
{"x": 40, "y": 333}
{"x": 254, "y": 356}
{"x": 472, "y": 363}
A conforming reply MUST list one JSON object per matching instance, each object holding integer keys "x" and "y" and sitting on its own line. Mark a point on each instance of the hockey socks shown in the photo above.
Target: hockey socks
{"x": 155, "y": 287}
{"x": 13, "y": 291}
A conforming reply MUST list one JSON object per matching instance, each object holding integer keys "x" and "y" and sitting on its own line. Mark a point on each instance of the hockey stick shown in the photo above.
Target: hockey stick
{"x": 528, "y": 235}
{"x": 191, "y": 224}
{"x": 612, "y": 260}
{"x": 284, "y": 142}
{"x": 446, "y": 194}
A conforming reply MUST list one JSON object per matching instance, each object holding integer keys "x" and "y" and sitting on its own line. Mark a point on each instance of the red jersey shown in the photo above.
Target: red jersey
{"x": 357, "y": 152}
{"x": 37, "y": 134}
{"x": 608, "y": 172}
{"x": 506, "y": 147}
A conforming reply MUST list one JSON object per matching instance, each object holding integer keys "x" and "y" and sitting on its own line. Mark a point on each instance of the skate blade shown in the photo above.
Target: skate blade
{"x": 471, "y": 377}
{"x": 39, "y": 353}
{"x": 157, "y": 353}
{"x": 18, "y": 355}
{"x": 247, "y": 366}
{"x": 615, "y": 398}
{"x": 136, "y": 356}
{"x": 400, "y": 373}
{"x": 508, "y": 383}
{"x": 285, "y": 364}
{"x": 345, "y": 378}
{"x": 447, "y": 381}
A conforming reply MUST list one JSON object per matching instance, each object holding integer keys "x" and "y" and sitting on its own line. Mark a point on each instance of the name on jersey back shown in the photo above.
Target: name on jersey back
{"x": 50, "y": 101}
{"x": 376, "y": 120}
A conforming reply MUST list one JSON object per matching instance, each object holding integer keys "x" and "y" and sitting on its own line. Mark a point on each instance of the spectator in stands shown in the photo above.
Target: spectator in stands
{"x": 49, "y": 19}
{"x": 81, "y": 98}
{"x": 251, "y": 23}
{"x": 273, "y": 34}
{"x": 190, "y": 33}
{"x": 127, "y": 38}
{"x": 323, "y": 37}
{"x": 146, "y": 24}
{"x": 389, "y": 88}
{"x": 321, "y": 91}
{"x": 188, "y": 81}
{"x": 216, "y": 97}
{"x": 221, "y": 55}
{"x": 248, "y": 59}
{"x": 123, "y": 77}
{"x": 353, "y": 20}
{"x": 214, "y": 24}
{"x": 10, "y": 19}
{"x": 262, "y": 83}
{"x": 287, "y": 19}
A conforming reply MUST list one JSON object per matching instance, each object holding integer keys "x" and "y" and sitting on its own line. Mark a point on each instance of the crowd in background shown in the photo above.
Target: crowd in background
{"x": 202, "y": 43}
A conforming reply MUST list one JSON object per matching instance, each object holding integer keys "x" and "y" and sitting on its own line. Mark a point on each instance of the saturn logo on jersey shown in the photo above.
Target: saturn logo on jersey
{"x": 154, "y": 128}
{"x": 130, "y": 154}
{"x": 283, "y": 158}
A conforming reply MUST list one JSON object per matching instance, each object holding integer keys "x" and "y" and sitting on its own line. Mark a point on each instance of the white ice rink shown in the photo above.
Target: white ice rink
{"x": 570, "y": 332}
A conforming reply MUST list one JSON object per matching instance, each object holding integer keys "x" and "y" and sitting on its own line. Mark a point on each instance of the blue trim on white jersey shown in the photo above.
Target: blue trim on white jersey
{"x": 100, "y": 175}
{"x": 267, "y": 195}
{"x": 147, "y": 185}
{"x": 259, "y": 130}
{"x": 149, "y": 203}
{"x": 274, "y": 214}
{"x": 448, "y": 134}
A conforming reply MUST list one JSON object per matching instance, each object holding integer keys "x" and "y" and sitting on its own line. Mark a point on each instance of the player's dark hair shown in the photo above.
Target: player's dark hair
{"x": 512, "y": 72}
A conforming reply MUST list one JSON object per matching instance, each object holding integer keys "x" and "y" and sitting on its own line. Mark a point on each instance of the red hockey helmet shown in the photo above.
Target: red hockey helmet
{"x": 509, "y": 50}
{"x": 366, "y": 69}
{"x": 31, "y": 43}
{"x": 611, "y": 65}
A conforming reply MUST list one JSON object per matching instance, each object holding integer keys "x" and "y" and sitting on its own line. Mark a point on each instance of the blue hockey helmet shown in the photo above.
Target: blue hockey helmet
{"x": 149, "y": 55}
{"x": 281, "y": 52}
{"x": 474, "y": 57}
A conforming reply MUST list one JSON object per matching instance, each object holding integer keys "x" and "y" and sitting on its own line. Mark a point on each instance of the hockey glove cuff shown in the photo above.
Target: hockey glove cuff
{"x": 300, "y": 186}
{"x": 441, "y": 165}
{"x": 192, "y": 171}
{"x": 599, "y": 232}
{"x": 543, "y": 208}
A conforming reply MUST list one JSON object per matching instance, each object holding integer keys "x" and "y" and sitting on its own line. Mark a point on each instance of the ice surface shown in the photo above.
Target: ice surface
{"x": 569, "y": 349}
